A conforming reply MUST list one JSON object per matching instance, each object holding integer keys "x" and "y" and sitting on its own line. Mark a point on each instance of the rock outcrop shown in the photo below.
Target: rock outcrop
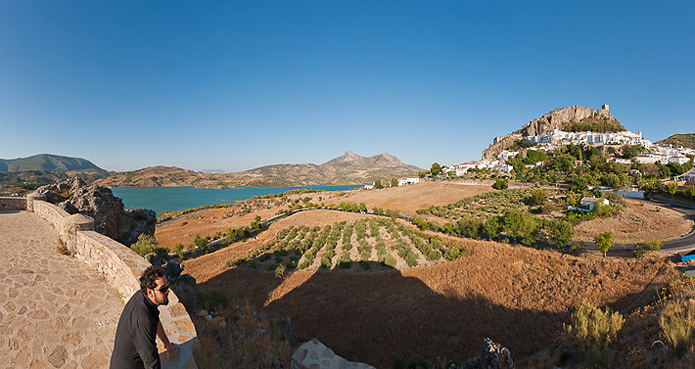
{"x": 315, "y": 355}
{"x": 98, "y": 202}
{"x": 492, "y": 356}
{"x": 559, "y": 118}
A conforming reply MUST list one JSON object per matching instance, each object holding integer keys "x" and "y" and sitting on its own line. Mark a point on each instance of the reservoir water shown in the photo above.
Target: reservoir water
{"x": 162, "y": 199}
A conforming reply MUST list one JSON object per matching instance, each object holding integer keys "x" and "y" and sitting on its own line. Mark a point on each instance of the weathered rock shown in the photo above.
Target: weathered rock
{"x": 173, "y": 269}
{"x": 556, "y": 119}
{"x": 492, "y": 356}
{"x": 315, "y": 355}
{"x": 110, "y": 217}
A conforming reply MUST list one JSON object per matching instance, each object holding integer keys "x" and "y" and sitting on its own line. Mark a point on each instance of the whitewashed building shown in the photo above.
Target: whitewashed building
{"x": 408, "y": 181}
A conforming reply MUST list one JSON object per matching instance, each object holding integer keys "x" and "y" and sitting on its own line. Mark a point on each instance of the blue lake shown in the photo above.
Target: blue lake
{"x": 162, "y": 199}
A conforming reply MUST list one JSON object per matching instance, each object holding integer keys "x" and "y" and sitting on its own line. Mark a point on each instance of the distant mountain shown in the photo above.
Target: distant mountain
{"x": 575, "y": 118}
{"x": 159, "y": 176}
{"x": 680, "y": 139}
{"x": 47, "y": 162}
{"x": 347, "y": 169}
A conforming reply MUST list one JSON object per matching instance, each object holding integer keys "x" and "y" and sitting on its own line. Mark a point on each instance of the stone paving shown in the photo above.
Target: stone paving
{"x": 55, "y": 311}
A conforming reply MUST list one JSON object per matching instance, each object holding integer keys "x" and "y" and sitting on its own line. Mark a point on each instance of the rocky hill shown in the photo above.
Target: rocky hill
{"x": 349, "y": 168}
{"x": 681, "y": 139}
{"x": 572, "y": 119}
{"x": 160, "y": 176}
{"x": 47, "y": 162}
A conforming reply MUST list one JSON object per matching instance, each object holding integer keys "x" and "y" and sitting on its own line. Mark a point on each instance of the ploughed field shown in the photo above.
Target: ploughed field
{"x": 516, "y": 295}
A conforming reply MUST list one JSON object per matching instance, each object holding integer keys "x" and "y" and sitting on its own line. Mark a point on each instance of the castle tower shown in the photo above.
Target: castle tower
{"x": 605, "y": 107}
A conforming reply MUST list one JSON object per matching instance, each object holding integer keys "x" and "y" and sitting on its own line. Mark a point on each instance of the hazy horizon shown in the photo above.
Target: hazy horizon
{"x": 234, "y": 86}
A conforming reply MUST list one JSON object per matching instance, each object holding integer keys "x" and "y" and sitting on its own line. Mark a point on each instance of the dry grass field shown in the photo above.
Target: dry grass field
{"x": 516, "y": 295}
{"x": 639, "y": 221}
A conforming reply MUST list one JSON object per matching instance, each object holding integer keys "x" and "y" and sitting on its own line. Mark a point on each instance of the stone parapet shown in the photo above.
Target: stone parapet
{"x": 13, "y": 203}
{"x": 122, "y": 268}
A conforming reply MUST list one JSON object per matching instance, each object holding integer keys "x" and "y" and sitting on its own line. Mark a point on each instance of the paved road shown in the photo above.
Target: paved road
{"x": 55, "y": 311}
{"x": 685, "y": 243}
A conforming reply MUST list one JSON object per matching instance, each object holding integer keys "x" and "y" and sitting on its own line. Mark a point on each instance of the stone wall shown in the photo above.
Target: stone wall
{"x": 117, "y": 263}
{"x": 13, "y": 203}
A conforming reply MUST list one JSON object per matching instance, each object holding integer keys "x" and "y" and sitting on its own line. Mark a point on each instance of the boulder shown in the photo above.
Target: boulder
{"x": 110, "y": 217}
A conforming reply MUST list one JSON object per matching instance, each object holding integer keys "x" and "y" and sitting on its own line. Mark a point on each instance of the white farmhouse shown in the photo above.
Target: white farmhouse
{"x": 587, "y": 204}
{"x": 408, "y": 181}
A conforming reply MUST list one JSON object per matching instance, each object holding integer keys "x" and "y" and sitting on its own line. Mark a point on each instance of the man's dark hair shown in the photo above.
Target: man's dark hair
{"x": 148, "y": 277}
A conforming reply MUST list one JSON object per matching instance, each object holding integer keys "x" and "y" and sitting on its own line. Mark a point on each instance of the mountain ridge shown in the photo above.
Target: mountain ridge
{"x": 347, "y": 169}
{"x": 47, "y": 162}
{"x": 679, "y": 139}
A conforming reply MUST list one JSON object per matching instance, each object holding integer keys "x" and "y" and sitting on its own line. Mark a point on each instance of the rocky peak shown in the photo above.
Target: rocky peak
{"x": 561, "y": 118}
{"x": 98, "y": 202}
{"x": 558, "y": 118}
{"x": 348, "y": 157}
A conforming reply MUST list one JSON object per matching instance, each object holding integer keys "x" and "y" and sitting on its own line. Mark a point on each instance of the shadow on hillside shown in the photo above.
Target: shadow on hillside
{"x": 369, "y": 317}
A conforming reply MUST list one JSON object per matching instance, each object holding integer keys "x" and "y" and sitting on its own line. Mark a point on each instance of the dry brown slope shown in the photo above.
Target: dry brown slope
{"x": 639, "y": 221}
{"x": 516, "y": 295}
{"x": 411, "y": 198}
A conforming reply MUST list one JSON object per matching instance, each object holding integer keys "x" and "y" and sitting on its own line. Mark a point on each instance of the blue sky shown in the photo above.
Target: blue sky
{"x": 235, "y": 85}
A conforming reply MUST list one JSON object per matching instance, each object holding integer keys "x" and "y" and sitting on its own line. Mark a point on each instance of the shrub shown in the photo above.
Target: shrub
{"x": 434, "y": 255}
{"x": 212, "y": 300}
{"x": 178, "y": 249}
{"x": 452, "y": 253}
{"x": 643, "y": 248}
{"x": 390, "y": 261}
{"x": 677, "y": 322}
{"x": 147, "y": 244}
{"x": 594, "y": 330}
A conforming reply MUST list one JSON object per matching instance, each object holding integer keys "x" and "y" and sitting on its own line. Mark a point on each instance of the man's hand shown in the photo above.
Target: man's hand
{"x": 169, "y": 349}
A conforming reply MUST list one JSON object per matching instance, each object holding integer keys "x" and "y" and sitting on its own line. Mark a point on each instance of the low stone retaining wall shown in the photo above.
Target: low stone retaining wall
{"x": 118, "y": 264}
{"x": 13, "y": 203}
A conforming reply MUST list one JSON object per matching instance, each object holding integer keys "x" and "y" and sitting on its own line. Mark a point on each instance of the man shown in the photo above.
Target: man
{"x": 139, "y": 325}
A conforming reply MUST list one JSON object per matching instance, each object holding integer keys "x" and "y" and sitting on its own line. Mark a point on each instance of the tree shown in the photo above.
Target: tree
{"x": 538, "y": 197}
{"x": 147, "y": 244}
{"x": 604, "y": 241}
{"x": 690, "y": 192}
{"x": 394, "y": 182}
{"x": 563, "y": 163}
{"x": 672, "y": 187}
{"x": 631, "y": 151}
{"x": 377, "y": 184}
{"x": 501, "y": 184}
{"x": 561, "y": 232}
{"x": 436, "y": 169}
{"x": 362, "y": 207}
{"x": 423, "y": 174}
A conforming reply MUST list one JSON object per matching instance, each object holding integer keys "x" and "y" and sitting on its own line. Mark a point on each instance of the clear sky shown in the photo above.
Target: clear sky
{"x": 235, "y": 85}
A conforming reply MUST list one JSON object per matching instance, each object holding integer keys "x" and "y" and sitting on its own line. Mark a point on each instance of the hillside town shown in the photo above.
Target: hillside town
{"x": 555, "y": 139}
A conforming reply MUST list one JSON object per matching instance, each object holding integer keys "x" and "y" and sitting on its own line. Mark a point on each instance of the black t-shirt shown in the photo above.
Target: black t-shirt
{"x": 135, "y": 345}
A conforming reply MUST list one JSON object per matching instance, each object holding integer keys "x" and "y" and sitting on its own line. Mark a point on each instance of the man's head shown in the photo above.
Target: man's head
{"x": 154, "y": 284}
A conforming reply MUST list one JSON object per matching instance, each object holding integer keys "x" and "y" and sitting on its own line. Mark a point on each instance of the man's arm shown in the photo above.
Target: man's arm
{"x": 144, "y": 339}
{"x": 163, "y": 336}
